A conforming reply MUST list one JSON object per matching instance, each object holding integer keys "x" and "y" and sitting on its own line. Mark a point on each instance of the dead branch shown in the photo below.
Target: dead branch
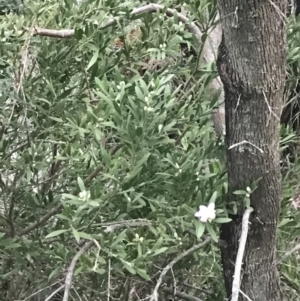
{"x": 181, "y": 295}
{"x": 90, "y": 244}
{"x": 55, "y": 292}
{"x": 239, "y": 257}
{"x": 154, "y": 296}
{"x": 152, "y": 7}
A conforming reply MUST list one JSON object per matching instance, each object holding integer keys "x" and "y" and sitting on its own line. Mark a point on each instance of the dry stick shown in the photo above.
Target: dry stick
{"x": 55, "y": 292}
{"x": 236, "y": 284}
{"x": 154, "y": 296}
{"x": 180, "y": 295}
{"x": 69, "y": 277}
{"x": 88, "y": 245}
{"x": 152, "y": 7}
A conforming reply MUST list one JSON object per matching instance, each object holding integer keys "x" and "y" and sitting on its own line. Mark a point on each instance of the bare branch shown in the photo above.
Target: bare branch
{"x": 69, "y": 277}
{"x": 88, "y": 245}
{"x": 55, "y": 292}
{"x": 154, "y": 296}
{"x": 42, "y": 220}
{"x": 181, "y": 295}
{"x": 152, "y": 7}
{"x": 239, "y": 258}
{"x": 289, "y": 253}
{"x": 111, "y": 227}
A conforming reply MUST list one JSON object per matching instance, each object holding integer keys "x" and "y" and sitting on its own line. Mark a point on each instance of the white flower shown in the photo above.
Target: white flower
{"x": 85, "y": 195}
{"x": 206, "y": 213}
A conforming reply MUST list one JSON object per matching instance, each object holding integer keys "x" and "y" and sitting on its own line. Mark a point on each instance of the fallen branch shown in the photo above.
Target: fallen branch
{"x": 154, "y": 296}
{"x": 236, "y": 284}
{"x": 90, "y": 244}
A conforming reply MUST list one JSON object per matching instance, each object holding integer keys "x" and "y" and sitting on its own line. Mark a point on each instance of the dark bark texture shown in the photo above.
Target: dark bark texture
{"x": 252, "y": 67}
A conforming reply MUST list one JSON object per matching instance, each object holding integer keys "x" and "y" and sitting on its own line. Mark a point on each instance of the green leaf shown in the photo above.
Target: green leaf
{"x": 212, "y": 232}
{"x": 93, "y": 203}
{"x": 56, "y": 233}
{"x": 76, "y": 234}
{"x": 157, "y": 244}
{"x": 56, "y": 119}
{"x": 200, "y": 227}
{"x": 13, "y": 246}
{"x": 159, "y": 251}
{"x": 129, "y": 267}
{"x": 139, "y": 93}
{"x": 78, "y": 271}
{"x": 70, "y": 196}
{"x": 213, "y": 197}
{"x": 240, "y": 192}
{"x": 80, "y": 184}
{"x": 100, "y": 271}
{"x": 143, "y": 274}
{"x": 93, "y": 60}
{"x": 222, "y": 220}
{"x": 85, "y": 235}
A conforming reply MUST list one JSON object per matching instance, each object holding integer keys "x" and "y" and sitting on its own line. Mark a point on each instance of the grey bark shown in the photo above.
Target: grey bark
{"x": 252, "y": 67}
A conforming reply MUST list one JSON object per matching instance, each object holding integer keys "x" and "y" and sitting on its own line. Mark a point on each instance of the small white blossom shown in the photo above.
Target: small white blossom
{"x": 248, "y": 189}
{"x": 206, "y": 213}
{"x": 247, "y": 195}
{"x": 148, "y": 109}
{"x": 85, "y": 195}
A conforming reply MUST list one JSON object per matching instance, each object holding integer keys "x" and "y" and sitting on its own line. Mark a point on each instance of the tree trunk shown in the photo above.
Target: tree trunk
{"x": 252, "y": 67}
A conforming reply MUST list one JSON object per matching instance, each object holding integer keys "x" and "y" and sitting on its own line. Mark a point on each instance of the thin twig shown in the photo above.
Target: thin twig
{"x": 90, "y": 244}
{"x": 69, "y": 277}
{"x": 289, "y": 253}
{"x": 36, "y": 293}
{"x": 55, "y": 292}
{"x": 154, "y": 296}
{"x": 181, "y": 295}
{"x": 236, "y": 284}
{"x": 245, "y": 142}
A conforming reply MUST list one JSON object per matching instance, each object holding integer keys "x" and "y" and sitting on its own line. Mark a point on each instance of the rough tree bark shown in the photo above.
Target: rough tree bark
{"x": 252, "y": 67}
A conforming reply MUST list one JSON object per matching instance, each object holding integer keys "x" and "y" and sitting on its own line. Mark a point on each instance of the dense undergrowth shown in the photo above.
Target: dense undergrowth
{"x": 110, "y": 126}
